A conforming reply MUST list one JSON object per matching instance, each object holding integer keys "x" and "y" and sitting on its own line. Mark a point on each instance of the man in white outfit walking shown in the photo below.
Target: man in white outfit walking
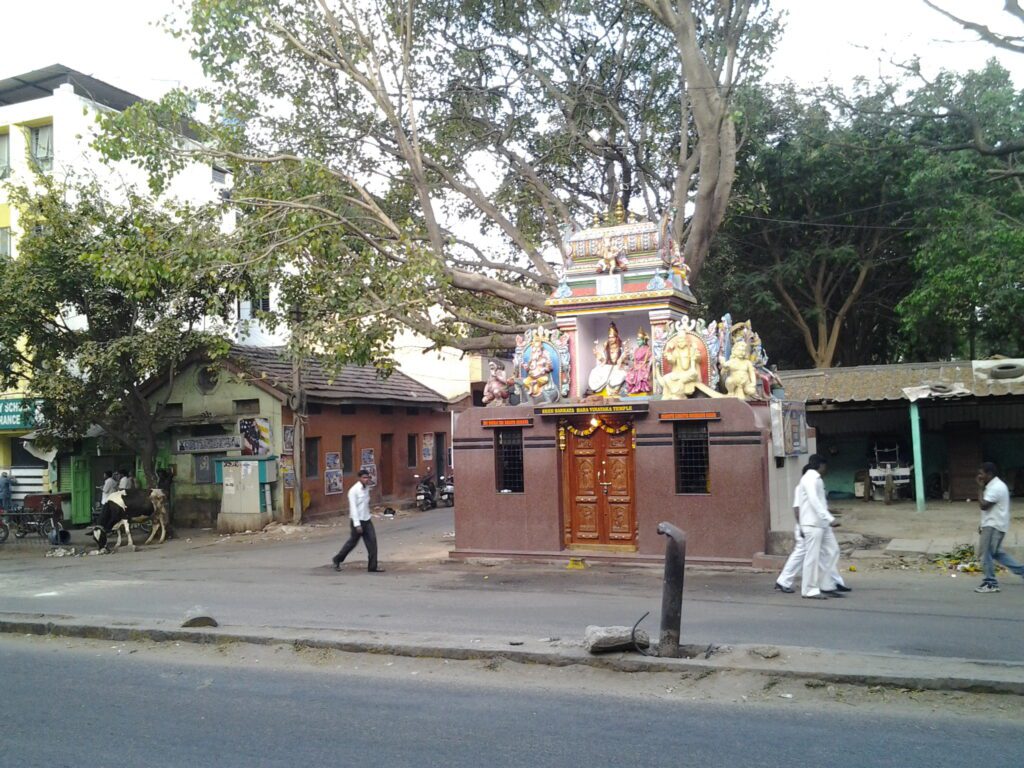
{"x": 795, "y": 563}
{"x": 815, "y": 520}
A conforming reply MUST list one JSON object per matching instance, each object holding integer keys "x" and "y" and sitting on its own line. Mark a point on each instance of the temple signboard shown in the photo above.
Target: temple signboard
{"x": 576, "y": 410}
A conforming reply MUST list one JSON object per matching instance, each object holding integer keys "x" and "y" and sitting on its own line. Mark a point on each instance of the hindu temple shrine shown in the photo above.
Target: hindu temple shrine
{"x": 630, "y": 411}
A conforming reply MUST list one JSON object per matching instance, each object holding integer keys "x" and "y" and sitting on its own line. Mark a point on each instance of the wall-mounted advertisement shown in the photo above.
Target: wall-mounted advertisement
{"x": 288, "y": 471}
{"x": 288, "y": 438}
{"x": 255, "y": 432}
{"x": 789, "y": 428}
{"x": 372, "y": 469}
{"x": 208, "y": 444}
{"x": 333, "y": 482}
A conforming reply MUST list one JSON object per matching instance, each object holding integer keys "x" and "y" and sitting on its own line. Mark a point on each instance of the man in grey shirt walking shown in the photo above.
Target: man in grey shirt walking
{"x": 361, "y": 524}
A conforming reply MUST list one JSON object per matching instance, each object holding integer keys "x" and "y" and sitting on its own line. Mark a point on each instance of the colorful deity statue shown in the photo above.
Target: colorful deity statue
{"x": 498, "y": 387}
{"x": 638, "y": 377}
{"x": 683, "y": 359}
{"x": 612, "y": 256}
{"x": 609, "y": 374}
{"x": 538, "y": 368}
{"x": 541, "y": 366}
{"x": 738, "y": 372}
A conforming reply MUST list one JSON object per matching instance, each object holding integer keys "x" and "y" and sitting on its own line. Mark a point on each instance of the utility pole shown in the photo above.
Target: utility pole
{"x": 297, "y": 403}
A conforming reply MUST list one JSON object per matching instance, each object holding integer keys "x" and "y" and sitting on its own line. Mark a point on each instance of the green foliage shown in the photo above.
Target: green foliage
{"x": 968, "y": 298}
{"x": 818, "y": 244}
{"x": 449, "y": 143}
{"x": 104, "y": 296}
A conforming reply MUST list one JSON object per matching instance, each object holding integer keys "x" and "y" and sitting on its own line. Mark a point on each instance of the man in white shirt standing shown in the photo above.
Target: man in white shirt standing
{"x": 361, "y": 524}
{"x": 994, "y": 500}
{"x": 815, "y": 519}
{"x": 109, "y": 486}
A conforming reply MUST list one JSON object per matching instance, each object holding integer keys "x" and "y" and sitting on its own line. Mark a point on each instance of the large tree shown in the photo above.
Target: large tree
{"x": 455, "y": 142}
{"x": 103, "y": 296}
{"x": 968, "y": 295}
{"x": 817, "y": 247}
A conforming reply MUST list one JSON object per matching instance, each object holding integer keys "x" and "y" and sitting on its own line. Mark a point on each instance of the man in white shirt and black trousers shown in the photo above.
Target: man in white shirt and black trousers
{"x": 362, "y": 525}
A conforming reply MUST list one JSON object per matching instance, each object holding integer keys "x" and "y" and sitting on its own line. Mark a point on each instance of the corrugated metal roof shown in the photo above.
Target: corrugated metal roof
{"x": 353, "y": 384}
{"x": 874, "y": 383}
{"x": 43, "y": 82}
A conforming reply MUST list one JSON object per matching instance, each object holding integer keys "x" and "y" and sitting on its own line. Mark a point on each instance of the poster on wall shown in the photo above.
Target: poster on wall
{"x": 332, "y": 460}
{"x": 428, "y": 446}
{"x": 288, "y": 471}
{"x": 366, "y": 456}
{"x": 789, "y": 428}
{"x": 333, "y": 482}
{"x": 288, "y": 438}
{"x": 372, "y": 469}
{"x": 255, "y": 432}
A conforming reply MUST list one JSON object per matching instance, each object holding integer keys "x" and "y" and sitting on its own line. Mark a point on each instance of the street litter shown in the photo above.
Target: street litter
{"x": 961, "y": 559}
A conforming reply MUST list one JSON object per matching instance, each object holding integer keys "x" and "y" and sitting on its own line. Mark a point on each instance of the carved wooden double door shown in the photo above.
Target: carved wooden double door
{"x": 598, "y": 488}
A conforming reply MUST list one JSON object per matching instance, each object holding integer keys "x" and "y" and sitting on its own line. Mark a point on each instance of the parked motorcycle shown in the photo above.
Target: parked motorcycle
{"x": 448, "y": 490}
{"x": 25, "y": 521}
{"x": 426, "y": 493}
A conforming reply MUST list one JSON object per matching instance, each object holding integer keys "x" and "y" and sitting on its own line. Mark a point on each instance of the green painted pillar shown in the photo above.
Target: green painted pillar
{"x": 915, "y": 431}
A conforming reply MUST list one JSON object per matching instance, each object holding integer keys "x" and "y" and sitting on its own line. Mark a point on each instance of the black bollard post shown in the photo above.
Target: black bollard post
{"x": 672, "y": 591}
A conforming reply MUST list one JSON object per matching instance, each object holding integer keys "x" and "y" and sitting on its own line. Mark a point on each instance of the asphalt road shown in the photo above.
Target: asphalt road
{"x": 250, "y": 582}
{"x": 95, "y": 705}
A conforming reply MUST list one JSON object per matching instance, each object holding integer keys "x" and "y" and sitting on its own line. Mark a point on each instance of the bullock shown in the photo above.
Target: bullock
{"x": 125, "y": 507}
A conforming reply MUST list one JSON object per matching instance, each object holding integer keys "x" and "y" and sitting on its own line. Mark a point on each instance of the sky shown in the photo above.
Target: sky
{"x": 118, "y": 42}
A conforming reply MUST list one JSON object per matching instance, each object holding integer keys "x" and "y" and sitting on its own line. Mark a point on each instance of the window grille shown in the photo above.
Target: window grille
{"x": 413, "y": 451}
{"x": 219, "y": 175}
{"x": 348, "y": 452}
{"x": 5, "y": 155}
{"x": 312, "y": 456}
{"x": 690, "y": 446}
{"x": 508, "y": 460}
{"x": 41, "y": 146}
{"x": 204, "y": 469}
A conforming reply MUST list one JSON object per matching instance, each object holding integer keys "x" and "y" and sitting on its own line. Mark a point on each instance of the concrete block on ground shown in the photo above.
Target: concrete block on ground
{"x": 907, "y": 546}
{"x": 611, "y": 639}
{"x": 768, "y": 562}
{"x": 942, "y": 546}
{"x": 869, "y": 554}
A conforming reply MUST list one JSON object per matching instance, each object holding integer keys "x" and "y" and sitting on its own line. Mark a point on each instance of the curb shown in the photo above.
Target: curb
{"x": 918, "y": 673}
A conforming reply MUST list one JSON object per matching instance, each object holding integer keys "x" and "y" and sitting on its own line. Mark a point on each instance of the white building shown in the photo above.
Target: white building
{"x": 48, "y": 121}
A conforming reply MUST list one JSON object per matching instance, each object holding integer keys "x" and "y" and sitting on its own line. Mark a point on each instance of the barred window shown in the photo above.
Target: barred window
{"x": 508, "y": 460}
{"x": 312, "y": 457}
{"x": 690, "y": 446}
{"x": 412, "y": 450}
{"x": 348, "y": 452}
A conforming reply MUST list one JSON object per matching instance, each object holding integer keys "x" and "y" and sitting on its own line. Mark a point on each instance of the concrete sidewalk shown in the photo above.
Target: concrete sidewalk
{"x": 768, "y": 661}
